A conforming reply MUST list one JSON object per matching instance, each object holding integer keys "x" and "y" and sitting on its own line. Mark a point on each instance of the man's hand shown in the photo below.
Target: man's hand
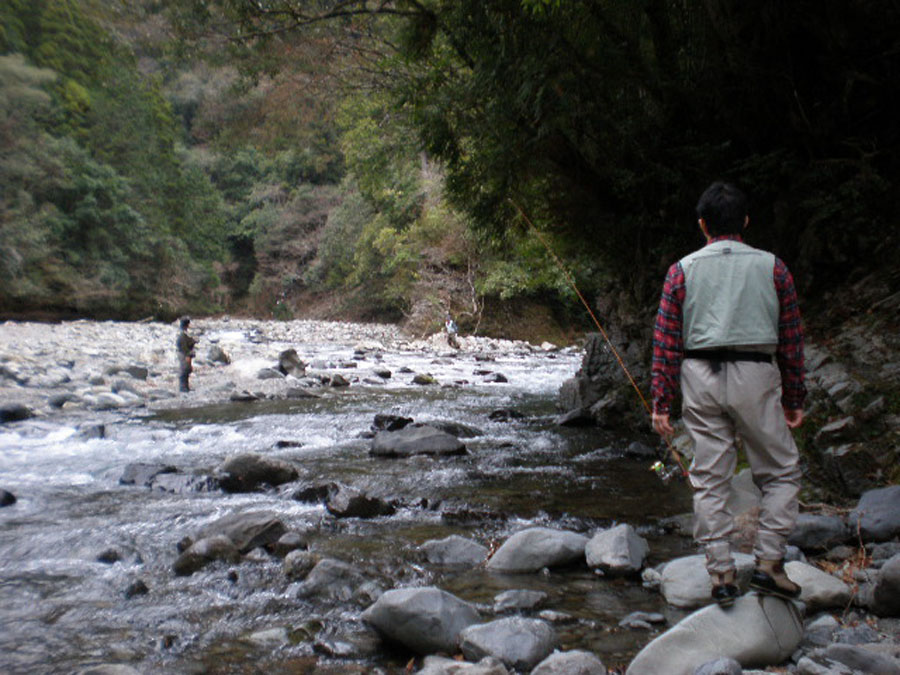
{"x": 661, "y": 425}
{"x": 794, "y": 418}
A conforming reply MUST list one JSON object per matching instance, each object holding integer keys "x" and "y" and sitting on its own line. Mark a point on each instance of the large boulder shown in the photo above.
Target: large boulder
{"x": 247, "y": 530}
{"x": 416, "y": 439}
{"x": 756, "y": 631}
{"x": 886, "y": 594}
{"x": 534, "y": 549}
{"x": 289, "y": 363}
{"x": 820, "y": 590}
{"x": 617, "y": 551}
{"x": 455, "y": 550}
{"x": 878, "y": 514}
{"x": 248, "y": 471}
{"x": 685, "y": 582}
{"x": 518, "y": 642}
{"x": 425, "y": 620}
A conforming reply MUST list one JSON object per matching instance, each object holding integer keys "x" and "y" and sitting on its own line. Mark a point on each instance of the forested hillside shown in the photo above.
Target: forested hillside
{"x": 384, "y": 159}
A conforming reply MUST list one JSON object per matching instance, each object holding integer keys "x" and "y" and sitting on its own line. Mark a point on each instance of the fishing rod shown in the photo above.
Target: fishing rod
{"x": 657, "y": 467}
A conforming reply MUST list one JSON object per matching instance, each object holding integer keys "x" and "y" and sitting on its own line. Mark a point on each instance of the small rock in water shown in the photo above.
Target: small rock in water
{"x": 14, "y": 412}
{"x": 109, "y": 556}
{"x": 136, "y": 588}
{"x": 7, "y": 498}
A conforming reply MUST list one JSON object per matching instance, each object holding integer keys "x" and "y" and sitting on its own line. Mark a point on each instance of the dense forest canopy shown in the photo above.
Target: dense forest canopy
{"x": 262, "y": 150}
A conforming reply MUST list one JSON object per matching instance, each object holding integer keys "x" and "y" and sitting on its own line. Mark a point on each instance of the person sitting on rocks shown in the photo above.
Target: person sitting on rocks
{"x": 185, "y": 346}
{"x": 725, "y": 310}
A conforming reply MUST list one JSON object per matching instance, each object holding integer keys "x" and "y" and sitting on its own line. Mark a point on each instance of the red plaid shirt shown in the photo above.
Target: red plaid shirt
{"x": 668, "y": 345}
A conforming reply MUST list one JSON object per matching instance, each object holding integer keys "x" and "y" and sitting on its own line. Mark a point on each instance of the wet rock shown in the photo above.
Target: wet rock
{"x": 247, "y": 472}
{"x": 385, "y": 422}
{"x": 247, "y": 530}
{"x": 505, "y": 415}
{"x": 425, "y": 620}
{"x": 289, "y": 363}
{"x": 416, "y": 440}
{"x": 270, "y": 638}
{"x": 142, "y": 474}
{"x": 496, "y": 378}
{"x": 184, "y": 483}
{"x": 457, "y": 429}
{"x": 15, "y": 412}
{"x": 535, "y": 548}
{"x": 108, "y": 401}
{"x": 138, "y": 372}
{"x": 383, "y": 373}
{"x": 92, "y": 431}
{"x": 299, "y": 563}
{"x": 814, "y": 532}
{"x": 720, "y": 667}
{"x": 7, "y": 498}
{"x": 439, "y": 665}
{"x": 574, "y": 662}
{"x": 685, "y": 582}
{"x": 886, "y": 593}
{"x": 289, "y": 541}
{"x": 314, "y": 494}
{"x": 299, "y": 393}
{"x": 136, "y": 588}
{"x": 424, "y": 379}
{"x": 205, "y": 551}
{"x": 643, "y": 620}
{"x": 617, "y": 551}
{"x": 269, "y": 374}
{"x": 580, "y": 417}
{"x": 455, "y": 550}
{"x": 338, "y": 380}
{"x": 878, "y": 514}
{"x": 335, "y": 580}
{"x": 518, "y": 642}
{"x": 756, "y": 630}
{"x": 820, "y": 589}
{"x": 59, "y": 400}
{"x": 518, "y": 600}
{"x": 243, "y": 397}
{"x": 348, "y": 502}
{"x": 109, "y": 556}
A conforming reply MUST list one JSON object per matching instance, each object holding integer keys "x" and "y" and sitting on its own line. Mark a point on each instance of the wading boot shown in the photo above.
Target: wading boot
{"x": 724, "y": 590}
{"x": 769, "y": 578}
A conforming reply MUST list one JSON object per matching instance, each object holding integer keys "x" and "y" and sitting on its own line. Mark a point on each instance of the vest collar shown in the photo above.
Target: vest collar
{"x": 726, "y": 237}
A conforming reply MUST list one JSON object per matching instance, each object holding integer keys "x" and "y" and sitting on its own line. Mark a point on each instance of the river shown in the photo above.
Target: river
{"x": 61, "y": 609}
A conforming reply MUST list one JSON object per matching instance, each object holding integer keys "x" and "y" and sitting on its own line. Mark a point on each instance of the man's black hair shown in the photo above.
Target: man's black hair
{"x": 724, "y": 208}
{"x": 185, "y": 321}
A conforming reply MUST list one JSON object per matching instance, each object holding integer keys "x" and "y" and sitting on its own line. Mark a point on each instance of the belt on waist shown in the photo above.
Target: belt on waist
{"x": 719, "y": 356}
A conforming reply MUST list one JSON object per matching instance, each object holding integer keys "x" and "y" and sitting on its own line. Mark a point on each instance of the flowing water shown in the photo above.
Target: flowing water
{"x": 62, "y": 610}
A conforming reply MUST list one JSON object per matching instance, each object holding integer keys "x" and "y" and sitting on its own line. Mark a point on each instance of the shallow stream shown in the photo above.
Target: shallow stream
{"x": 62, "y": 610}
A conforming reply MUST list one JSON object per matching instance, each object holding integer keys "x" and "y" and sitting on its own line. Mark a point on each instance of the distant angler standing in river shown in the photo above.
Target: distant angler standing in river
{"x": 185, "y": 345}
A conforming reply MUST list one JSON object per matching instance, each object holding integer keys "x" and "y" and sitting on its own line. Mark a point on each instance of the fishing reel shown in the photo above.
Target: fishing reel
{"x": 665, "y": 473}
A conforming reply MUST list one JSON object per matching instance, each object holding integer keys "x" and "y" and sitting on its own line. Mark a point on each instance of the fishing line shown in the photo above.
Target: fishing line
{"x": 609, "y": 343}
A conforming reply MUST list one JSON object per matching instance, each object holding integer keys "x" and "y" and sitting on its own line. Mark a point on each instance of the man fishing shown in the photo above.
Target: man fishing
{"x": 184, "y": 345}
{"x": 725, "y": 311}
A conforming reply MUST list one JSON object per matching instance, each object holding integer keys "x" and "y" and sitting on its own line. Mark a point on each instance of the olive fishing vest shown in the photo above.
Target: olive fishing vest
{"x": 730, "y": 298}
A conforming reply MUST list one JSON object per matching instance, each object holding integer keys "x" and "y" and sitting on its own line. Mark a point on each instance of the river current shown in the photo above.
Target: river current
{"x": 62, "y": 609}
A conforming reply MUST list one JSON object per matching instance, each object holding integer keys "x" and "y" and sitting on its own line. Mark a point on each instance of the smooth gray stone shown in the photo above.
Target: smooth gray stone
{"x": 820, "y": 590}
{"x": 574, "y": 662}
{"x": 518, "y": 642}
{"x": 886, "y": 594}
{"x": 723, "y": 666}
{"x": 439, "y": 665}
{"x": 685, "y": 582}
{"x": 617, "y": 551}
{"x": 205, "y": 551}
{"x": 336, "y": 580}
{"x": 248, "y": 471}
{"x": 247, "y": 530}
{"x": 425, "y": 620}
{"x": 814, "y": 532}
{"x": 863, "y": 660}
{"x": 878, "y": 514}
{"x": 455, "y": 550}
{"x": 416, "y": 439}
{"x": 535, "y": 548}
{"x": 755, "y": 631}
{"x": 518, "y": 599}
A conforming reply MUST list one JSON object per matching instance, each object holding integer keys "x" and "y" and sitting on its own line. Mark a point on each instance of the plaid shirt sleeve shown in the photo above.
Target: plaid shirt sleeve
{"x": 789, "y": 353}
{"x": 668, "y": 345}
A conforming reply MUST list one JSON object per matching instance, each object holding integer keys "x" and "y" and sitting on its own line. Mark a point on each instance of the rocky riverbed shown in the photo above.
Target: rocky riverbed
{"x": 342, "y": 498}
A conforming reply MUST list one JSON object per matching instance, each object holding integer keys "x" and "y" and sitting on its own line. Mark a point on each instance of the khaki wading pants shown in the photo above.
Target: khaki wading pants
{"x": 742, "y": 399}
